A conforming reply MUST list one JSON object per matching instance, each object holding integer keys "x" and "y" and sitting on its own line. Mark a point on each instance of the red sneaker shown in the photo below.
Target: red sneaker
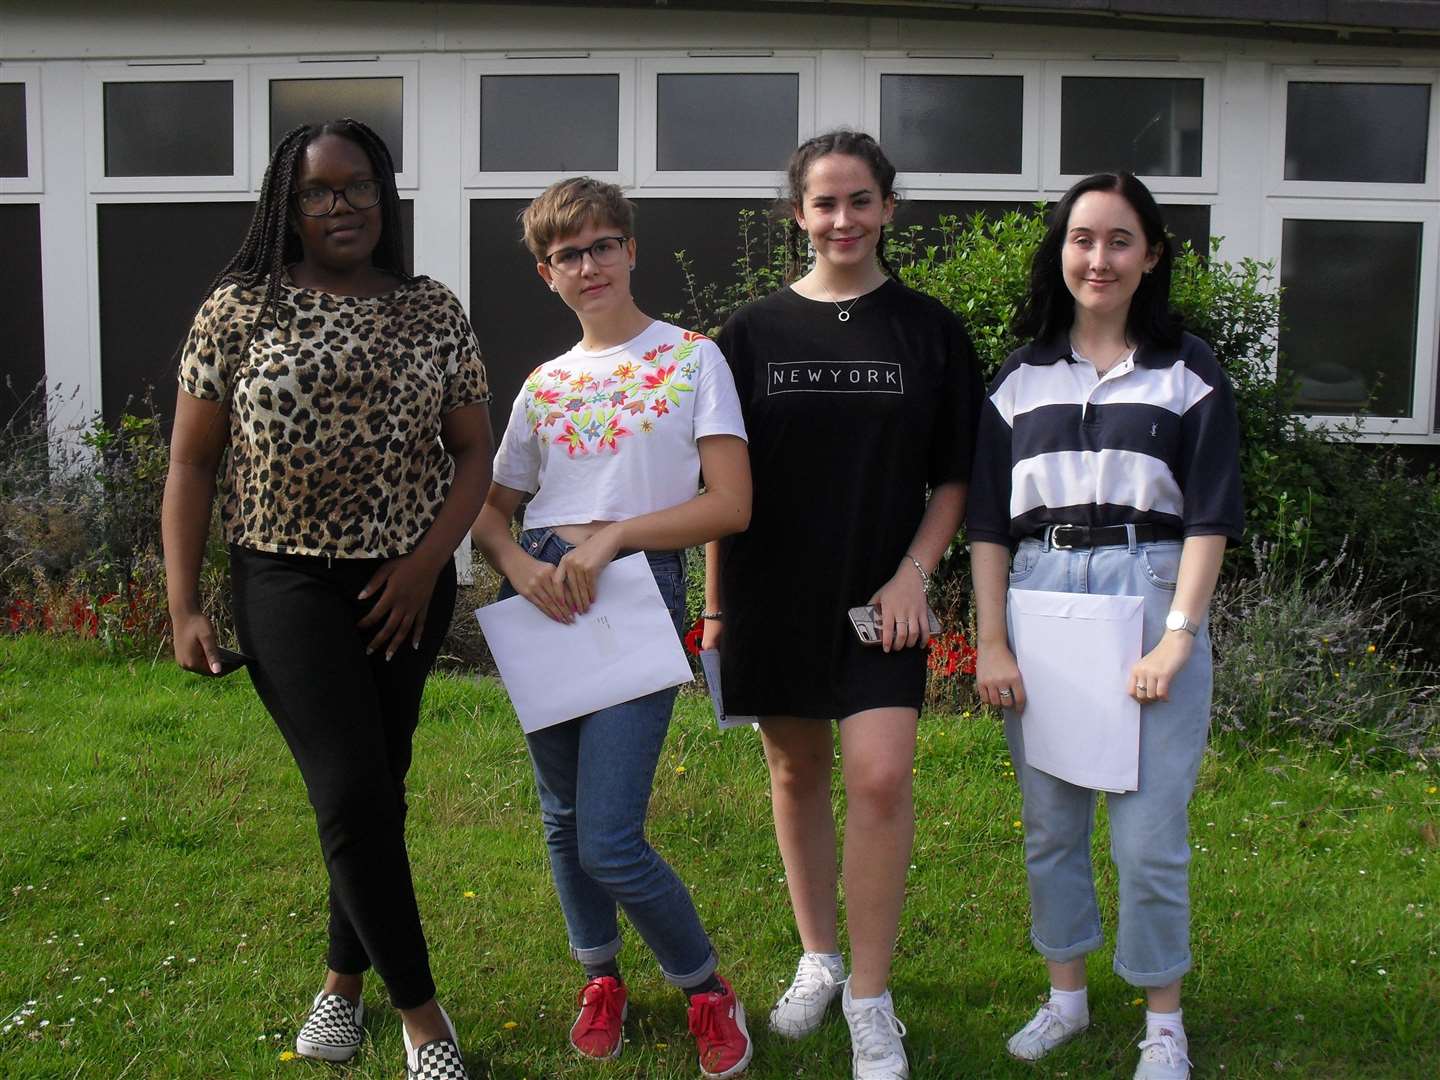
{"x": 717, "y": 1020}
{"x": 599, "y": 1030}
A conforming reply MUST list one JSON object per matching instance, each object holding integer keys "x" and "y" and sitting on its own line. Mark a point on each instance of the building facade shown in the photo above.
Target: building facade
{"x": 133, "y": 137}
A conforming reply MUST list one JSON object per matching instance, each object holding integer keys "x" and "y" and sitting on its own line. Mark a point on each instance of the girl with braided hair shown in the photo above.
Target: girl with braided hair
{"x": 860, "y": 397}
{"x": 347, "y": 400}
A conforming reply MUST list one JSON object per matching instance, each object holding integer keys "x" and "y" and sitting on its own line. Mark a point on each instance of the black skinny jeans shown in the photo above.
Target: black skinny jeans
{"x": 348, "y": 719}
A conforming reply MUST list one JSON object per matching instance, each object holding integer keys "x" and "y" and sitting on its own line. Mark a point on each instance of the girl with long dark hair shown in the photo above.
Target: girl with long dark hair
{"x": 1108, "y": 462}
{"x": 860, "y": 398}
{"x": 348, "y": 402}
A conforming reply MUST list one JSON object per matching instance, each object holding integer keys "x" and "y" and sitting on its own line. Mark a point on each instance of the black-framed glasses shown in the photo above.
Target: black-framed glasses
{"x": 319, "y": 201}
{"x": 606, "y": 251}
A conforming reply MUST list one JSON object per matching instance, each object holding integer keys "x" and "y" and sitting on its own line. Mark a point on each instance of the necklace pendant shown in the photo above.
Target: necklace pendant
{"x": 843, "y": 316}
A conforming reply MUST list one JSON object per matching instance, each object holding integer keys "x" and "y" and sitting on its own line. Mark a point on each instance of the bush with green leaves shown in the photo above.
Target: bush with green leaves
{"x": 1307, "y": 493}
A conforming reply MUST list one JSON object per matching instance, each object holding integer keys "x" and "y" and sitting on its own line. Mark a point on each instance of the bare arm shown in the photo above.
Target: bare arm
{"x": 196, "y": 444}
{"x": 1195, "y": 585}
{"x": 904, "y": 619}
{"x": 714, "y": 597}
{"x": 995, "y": 667}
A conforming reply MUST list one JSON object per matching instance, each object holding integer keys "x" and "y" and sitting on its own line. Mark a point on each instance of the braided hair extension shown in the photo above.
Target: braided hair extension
{"x": 840, "y": 141}
{"x": 271, "y": 244}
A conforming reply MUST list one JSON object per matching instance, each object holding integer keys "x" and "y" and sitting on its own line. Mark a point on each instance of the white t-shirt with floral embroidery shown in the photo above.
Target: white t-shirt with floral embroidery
{"x": 611, "y": 435}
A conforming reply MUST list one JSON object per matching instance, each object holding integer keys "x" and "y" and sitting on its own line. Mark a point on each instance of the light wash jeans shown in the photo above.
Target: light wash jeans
{"x": 1148, "y": 827}
{"x": 594, "y": 776}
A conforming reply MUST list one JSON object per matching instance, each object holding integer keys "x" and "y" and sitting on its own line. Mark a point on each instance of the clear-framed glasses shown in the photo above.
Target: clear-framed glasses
{"x": 319, "y": 201}
{"x": 606, "y": 251}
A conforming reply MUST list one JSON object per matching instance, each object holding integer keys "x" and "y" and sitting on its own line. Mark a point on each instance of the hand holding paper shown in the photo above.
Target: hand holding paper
{"x": 623, "y": 648}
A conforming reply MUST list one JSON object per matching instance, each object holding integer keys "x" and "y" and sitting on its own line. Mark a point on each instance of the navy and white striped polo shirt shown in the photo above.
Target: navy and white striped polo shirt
{"x": 1155, "y": 440}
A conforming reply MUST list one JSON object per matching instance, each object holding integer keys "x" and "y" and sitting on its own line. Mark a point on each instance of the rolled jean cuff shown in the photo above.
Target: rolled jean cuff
{"x": 696, "y": 977}
{"x": 1070, "y": 952}
{"x": 1150, "y": 980}
{"x": 600, "y": 954}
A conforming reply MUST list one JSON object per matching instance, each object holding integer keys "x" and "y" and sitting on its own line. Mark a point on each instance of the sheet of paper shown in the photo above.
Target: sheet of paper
{"x": 710, "y": 664}
{"x": 1075, "y": 652}
{"x": 623, "y": 648}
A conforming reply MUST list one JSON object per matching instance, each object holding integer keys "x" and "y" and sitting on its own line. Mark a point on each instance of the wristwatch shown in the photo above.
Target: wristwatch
{"x": 1178, "y": 620}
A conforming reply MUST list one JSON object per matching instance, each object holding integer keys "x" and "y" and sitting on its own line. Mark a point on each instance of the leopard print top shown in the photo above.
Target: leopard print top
{"x": 335, "y": 414}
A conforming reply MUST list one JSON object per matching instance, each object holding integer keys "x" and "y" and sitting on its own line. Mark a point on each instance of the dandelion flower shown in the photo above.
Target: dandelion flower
{"x": 1369, "y": 648}
{"x": 1137, "y": 1001}
{"x": 469, "y": 894}
{"x": 1015, "y": 824}
{"x": 1431, "y": 790}
{"x": 288, "y": 1055}
{"x": 679, "y": 770}
{"x": 510, "y": 1025}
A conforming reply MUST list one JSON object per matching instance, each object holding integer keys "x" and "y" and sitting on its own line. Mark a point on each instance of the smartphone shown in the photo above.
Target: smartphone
{"x": 866, "y": 621}
{"x": 230, "y": 660}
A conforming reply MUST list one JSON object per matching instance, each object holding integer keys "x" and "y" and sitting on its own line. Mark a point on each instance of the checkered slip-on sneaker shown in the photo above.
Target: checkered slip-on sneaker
{"x": 332, "y": 1031}
{"x": 438, "y": 1059}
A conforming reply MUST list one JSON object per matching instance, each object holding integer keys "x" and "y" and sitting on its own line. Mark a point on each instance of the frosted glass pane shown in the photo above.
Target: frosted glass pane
{"x": 952, "y": 123}
{"x": 378, "y": 103}
{"x": 1357, "y": 132}
{"x": 550, "y": 123}
{"x": 1151, "y": 127}
{"x": 13, "y": 156}
{"x": 1351, "y": 300}
{"x": 170, "y": 128}
{"x": 727, "y": 122}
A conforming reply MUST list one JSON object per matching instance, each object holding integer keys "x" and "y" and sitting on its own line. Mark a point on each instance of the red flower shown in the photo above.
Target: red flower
{"x": 951, "y": 653}
{"x": 692, "y": 639}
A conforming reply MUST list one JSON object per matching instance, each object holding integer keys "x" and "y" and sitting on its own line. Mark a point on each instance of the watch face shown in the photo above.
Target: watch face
{"x": 1175, "y": 621}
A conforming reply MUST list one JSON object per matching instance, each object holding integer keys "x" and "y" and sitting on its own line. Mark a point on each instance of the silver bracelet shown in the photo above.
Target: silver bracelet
{"x": 924, "y": 577}
{"x": 714, "y": 616}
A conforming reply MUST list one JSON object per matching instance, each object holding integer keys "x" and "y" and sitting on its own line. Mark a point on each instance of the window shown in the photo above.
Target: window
{"x": 14, "y": 141}
{"x": 722, "y": 121}
{"x": 170, "y": 128}
{"x": 527, "y": 123}
{"x": 380, "y": 93}
{"x": 1358, "y": 314}
{"x": 166, "y": 128}
{"x": 22, "y": 315}
{"x": 951, "y": 125}
{"x": 378, "y": 103}
{"x": 20, "y": 129}
{"x": 1357, "y": 132}
{"x": 1157, "y": 120}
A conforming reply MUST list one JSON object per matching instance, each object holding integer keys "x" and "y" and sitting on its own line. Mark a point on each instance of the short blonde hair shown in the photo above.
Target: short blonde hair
{"x": 567, "y": 206}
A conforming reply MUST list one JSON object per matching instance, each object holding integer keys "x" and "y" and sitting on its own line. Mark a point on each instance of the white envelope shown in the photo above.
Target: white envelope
{"x": 1075, "y": 652}
{"x": 623, "y": 648}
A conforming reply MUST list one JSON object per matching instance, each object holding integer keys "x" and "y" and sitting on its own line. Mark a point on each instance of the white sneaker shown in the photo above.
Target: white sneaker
{"x": 332, "y": 1031}
{"x": 801, "y": 1008}
{"x": 1164, "y": 1058}
{"x": 1045, "y": 1031}
{"x": 875, "y": 1033}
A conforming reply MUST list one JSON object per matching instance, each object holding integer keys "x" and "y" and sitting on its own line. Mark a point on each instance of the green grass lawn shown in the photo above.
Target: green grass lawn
{"x": 162, "y": 897}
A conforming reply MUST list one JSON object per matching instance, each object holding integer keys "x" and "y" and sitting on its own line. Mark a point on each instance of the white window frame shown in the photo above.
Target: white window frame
{"x": 472, "y": 177}
{"x": 261, "y": 75}
{"x": 1027, "y": 179}
{"x": 1417, "y": 426}
{"x": 33, "y": 182}
{"x": 647, "y": 143}
{"x": 97, "y": 75}
{"x": 1429, "y": 188}
{"x": 1208, "y": 180}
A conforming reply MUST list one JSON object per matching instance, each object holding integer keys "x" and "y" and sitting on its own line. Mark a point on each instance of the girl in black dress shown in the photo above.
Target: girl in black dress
{"x": 859, "y": 395}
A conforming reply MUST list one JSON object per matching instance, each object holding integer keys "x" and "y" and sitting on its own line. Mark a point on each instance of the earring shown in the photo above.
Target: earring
{"x": 553, "y": 288}
{"x": 632, "y": 268}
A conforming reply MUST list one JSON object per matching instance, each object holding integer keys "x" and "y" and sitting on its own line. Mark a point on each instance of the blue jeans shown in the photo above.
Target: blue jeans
{"x": 1148, "y": 827}
{"x": 594, "y": 776}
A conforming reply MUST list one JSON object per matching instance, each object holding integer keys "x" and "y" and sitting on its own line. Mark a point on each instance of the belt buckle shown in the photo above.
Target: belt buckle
{"x": 1056, "y": 542}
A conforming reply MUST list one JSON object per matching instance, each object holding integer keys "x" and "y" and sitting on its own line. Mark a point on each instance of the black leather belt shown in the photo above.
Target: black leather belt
{"x": 1066, "y": 537}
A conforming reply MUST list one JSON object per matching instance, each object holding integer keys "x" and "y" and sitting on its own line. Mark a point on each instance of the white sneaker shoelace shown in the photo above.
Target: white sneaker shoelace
{"x": 802, "y": 1007}
{"x": 1163, "y": 1052}
{"x": 875, "y": 1035}
{"x": 1046, "y": 1030}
